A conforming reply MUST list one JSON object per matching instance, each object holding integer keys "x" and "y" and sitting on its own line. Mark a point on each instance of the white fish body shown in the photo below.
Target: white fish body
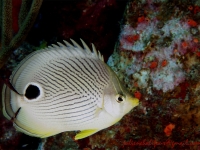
{"x": 65, "y": 88}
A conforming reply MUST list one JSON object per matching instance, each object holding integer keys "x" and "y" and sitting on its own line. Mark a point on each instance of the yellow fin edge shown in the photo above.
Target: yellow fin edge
{"x": 85, "y": 133}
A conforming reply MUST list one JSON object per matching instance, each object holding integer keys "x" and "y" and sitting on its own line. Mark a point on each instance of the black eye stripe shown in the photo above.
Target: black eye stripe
{"x": 120, "y": 98}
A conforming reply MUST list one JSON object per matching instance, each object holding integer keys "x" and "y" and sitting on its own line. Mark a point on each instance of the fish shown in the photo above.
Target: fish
{"x": 65, "y": 87}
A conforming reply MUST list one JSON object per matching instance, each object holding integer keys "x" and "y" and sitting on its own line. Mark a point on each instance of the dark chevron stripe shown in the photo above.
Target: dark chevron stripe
{"x": 80, "y": 69}
{"x": 64, "y": 105}
{"x": 68, "y": 100}
{"x": 74, "y": 117}
{"x": 74, "y": 112}
{"x": 69, "y": 108}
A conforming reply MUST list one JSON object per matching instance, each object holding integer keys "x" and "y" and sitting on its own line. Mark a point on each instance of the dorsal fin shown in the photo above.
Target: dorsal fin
{"x": 94, "y": 51}
{"x": 55, "y": 46}
{"x": 85, "y": 46}
{"x": 67, "y": 43}
{"x": 76, "y": 44}
{"x": 36, "y": 59}
{"x": 60, "y": 44}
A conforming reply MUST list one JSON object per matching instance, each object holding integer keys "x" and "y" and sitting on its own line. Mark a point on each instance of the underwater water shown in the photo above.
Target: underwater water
{"x": 154, "y": 48}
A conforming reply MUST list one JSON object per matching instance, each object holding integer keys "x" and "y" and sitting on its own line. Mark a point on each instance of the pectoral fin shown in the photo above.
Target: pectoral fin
{"x": 85, "y": 133}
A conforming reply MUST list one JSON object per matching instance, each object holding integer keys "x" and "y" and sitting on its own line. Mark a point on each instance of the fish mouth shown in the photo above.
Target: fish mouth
{"x": 131, "y": 102}
{"x": 134, "y": 102}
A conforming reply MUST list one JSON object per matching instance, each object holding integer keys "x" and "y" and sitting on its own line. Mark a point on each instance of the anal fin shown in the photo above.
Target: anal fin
{"x": 85, "y": 133}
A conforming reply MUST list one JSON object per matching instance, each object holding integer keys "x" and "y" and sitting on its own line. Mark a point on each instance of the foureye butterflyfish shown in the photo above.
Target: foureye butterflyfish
{"x": 65, "y": 87}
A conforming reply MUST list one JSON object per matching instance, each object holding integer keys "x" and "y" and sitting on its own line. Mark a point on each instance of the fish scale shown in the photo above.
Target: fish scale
{"x": 65, "y": 88}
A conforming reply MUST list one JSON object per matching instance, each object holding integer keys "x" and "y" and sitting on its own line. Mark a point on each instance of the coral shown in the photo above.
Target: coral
{"x": 19, "y": 54}
{"x": 142, "y": 77}
{"x": 168, "y": 129}
{"x": 161, "y": 45}
{"x": 157, "y": 55}
{"x": 26, "y": 19}
{"x": 9, "y": 137}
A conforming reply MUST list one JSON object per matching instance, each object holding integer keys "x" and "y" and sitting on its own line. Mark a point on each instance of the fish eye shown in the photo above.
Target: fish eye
{"x": 120, "y": 98}
{"x": 32, "y": 92}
